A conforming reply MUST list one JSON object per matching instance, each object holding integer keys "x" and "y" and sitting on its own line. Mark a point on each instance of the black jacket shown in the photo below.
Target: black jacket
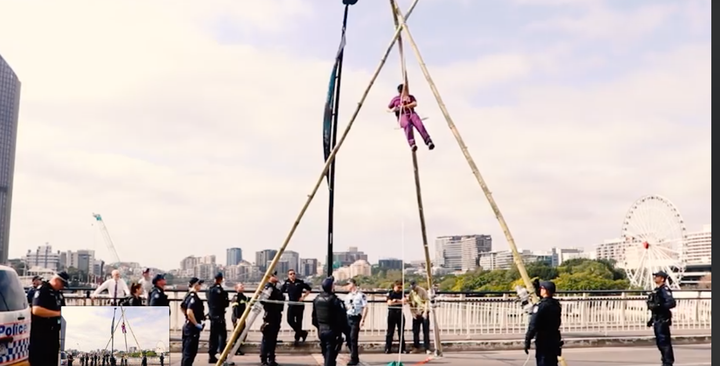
{"x": 545, "y": 322}
{"x": 660, "y": 302}
{"x": 329, "y": 313}
{"x": 274, "y": 309}
{"x": 131, "y": 301}
{"x": 238, "y": 303}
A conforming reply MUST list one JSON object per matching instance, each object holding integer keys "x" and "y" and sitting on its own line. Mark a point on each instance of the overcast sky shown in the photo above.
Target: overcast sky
{"x": 194, "y": 128}
{"x": 88, "y": 327}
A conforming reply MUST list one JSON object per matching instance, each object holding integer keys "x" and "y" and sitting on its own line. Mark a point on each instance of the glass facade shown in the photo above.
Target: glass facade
{"x": 9, "y": 109}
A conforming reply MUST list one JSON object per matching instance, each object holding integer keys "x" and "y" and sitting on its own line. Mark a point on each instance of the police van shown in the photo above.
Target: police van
{"x": 14, "y": 320}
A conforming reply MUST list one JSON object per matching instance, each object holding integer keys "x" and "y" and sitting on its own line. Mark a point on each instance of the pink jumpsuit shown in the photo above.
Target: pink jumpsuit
{"x": 410, "y": 119}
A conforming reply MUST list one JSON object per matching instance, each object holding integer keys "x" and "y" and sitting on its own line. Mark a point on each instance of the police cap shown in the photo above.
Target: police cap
{"x": 274, "y": 274}
{"x": 549, "y": 286}
{"x": 328, "y": 283}
{"x": 64, "y": 277}
{"x": 660, "y": 274}
{"x": 35, "y": 278}
{"x": 158, "y": 277}
{"x": 218, "y": 275}
{"x": 195, "y": 280}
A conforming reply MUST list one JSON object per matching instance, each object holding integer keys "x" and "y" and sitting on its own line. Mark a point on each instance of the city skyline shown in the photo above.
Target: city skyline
{"x": 9, "y": 109}
{"x": 183, "y": 152}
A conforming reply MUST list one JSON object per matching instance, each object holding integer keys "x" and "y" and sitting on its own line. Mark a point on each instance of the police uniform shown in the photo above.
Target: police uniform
{"x": 545, "y": 328}
{"x": 395, "y": 320}
{"x": 355, "y": 302}
{"x": 32, "y": 289}
{"x": 296, "y": 312}
{"x": 239, "y": 304}
{"x": 45, "y": 332}
{"x": 162, "y": 360}
{"x": 191, "y": 332}
{"x": 659, "y": 302}
{"x": 217, "y": 299}
{"x": 271, "y": 324}
{"x": 329, "y": 316}
{"x": 157, "y": 294}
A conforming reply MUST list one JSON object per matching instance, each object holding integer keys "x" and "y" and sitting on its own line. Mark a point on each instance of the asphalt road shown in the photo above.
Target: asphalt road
{"x": 685, "y": 355}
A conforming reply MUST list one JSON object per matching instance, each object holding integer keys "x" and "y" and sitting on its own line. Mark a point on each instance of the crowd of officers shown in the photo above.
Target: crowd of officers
{"x": 333, "y": 318}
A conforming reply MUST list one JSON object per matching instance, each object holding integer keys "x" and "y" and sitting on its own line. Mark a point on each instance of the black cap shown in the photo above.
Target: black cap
{"x": 64, "y": 277}
{"x": 274, "y": 274}
{"x": 413, "y": 283}
{"x": 549, "y": 286}
{"x": 218, "y": 275}
{"x": 400, "y": 88}
{"x": 146, "y": 270}
{"x": 35, "y": 278}
{"x": 195, "y": 280}
{"x": 660, "y": 274}
{"x": 158, "y": 277}
{"x": 328, "y": 283}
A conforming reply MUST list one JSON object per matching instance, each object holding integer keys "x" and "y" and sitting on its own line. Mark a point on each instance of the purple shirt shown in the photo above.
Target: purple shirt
{"x": 396, "y": 102}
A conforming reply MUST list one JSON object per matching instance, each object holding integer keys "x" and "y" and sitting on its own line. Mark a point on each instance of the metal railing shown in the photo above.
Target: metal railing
{"x": 468, "y": 315}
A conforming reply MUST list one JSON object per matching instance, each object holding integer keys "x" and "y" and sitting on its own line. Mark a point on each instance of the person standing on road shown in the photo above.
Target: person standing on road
{"x": 329, "y": 316}
{"x": 239, "y": 304}
{"x": 395, "y": 318}
{"x": 271, "y": 321}
{"x": 545, "y": 327}
{"x": 194, "y": 316}
{"x": 36, "y": 281}
{"x": 356, "y": 305}
{"x": 420, "y": 309}
{"x": 296, "y": 290}
{"x": 217, "y": 299}
{"x": 45, "y": 326}
{"x": 157, "y": 294}
{"x": 116, "y": 288}
{"x": 162, "y": 359}
{"x": 659, "y": 302}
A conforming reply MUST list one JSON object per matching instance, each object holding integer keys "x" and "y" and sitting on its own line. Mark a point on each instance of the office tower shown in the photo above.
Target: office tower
{"x": 9, "y": 110}
{"x": 461, "y": 252}
{"x": 263, "y": 258}
{"x": 234, "y": 256}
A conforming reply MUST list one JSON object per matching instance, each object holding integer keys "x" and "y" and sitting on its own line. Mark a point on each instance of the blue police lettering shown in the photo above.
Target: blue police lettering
{"x": 12, "y": 330}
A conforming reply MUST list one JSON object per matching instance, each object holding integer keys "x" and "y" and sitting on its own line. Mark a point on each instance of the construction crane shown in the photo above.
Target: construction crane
{"x": 107, "y": 238}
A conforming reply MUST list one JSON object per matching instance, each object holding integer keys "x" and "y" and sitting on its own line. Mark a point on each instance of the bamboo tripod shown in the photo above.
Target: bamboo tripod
{"x": 400, "y": 27}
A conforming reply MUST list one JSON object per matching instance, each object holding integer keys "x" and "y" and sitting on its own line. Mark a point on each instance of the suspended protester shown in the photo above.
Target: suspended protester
{"x": 356, "y": 305}
{"x": 271, "y": 321}
{"x": 329, "y": 316}
{"x": 395, "y": 318}
{"x": 659, "y": 302}
{"x": 297, "y": 290}
{"x": 403, "y": 105}
{"x": 217, "y": 299}
{"x": 420, "y": 310}
{"x": 239, "y": 304}
{"x": 45, "y": 326}
{"x": 36, "y": 281}
{"x": 544, "y": 327}
{"x": 194, "y": 315}
{"x": 157, "y": 294}
{"x": 134, "y": 299}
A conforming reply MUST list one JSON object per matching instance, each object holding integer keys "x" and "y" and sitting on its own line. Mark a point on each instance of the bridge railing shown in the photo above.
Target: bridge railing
{"x": 470, "y": 314}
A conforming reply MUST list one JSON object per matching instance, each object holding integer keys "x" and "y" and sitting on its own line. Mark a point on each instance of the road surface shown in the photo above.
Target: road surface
{"x": 685, "y": 355}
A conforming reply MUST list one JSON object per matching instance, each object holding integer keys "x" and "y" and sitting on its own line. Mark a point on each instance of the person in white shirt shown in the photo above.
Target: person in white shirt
{"x": 146, "y": 283}
{"x": 115, "y": 286}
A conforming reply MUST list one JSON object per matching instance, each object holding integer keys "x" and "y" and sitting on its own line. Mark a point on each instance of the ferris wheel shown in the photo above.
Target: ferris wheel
{"x": 160, "y": 348}
{"x": 654, "y": 233}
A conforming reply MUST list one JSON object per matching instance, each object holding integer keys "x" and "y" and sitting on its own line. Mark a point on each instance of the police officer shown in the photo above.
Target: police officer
{"x": 45, "y": 326}
{"x": 395, "y": 317}
{"x": 329, "y": 316}
{"x": 36, "y": 281}
{"x": 356, "y": 305}
{"x": 297, "y": 290}
{"x": 157, "y": 294}
{"x": 217, "y": 300}
{"x": 239, "y": 304}
{"x": 659, "y": 302}
{"x": 143, "y": 362}
{"x": 271, "y": 321}
{"x": 194, "y": 316}
{"x": 162, "y": 359}
{"x": 545, "y": 327}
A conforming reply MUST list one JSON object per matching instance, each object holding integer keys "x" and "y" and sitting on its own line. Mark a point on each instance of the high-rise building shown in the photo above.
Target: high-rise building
{"x": 391, "y": 264}
{"x": 461, "y": 252}
{"x": 44, "y": 258}
{"x": 698, "y": 247}
{"x": 263, "y": 258}
{"x": 9, "y": 111}
{"x": 82, "y": 260}
{"x": 234, "y": 256}
{"x": 612, "y": 249}
{"x": 308, "y": 267}
{"x": 292, "y": 259}
{"x": 352, "y": 255}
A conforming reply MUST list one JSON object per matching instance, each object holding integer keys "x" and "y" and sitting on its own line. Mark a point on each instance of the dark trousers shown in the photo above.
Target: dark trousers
{"x": 330, "y": 344}
{"x": 269, "y": 341}
{"x": 395, "y": 321}
{"x": 218, "y": 335}
{"x": 424, "y": 323}
{"x": 295, "y": 315}
{"x": 664, "y": 344}
{"x": 190, "y": 343}
{"x": 44, "y": 346}
{"x": 546, "y": 351}
{"x": 353, "y": 337}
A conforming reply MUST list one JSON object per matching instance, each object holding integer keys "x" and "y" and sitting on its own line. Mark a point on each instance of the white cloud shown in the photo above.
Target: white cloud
{"x": 89, "y": 328}
{"x": 188, "y": 146}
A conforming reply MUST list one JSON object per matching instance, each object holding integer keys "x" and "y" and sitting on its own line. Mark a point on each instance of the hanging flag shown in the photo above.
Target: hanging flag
{"x": 330, "y": 103}
{"x": 122, "y": 326}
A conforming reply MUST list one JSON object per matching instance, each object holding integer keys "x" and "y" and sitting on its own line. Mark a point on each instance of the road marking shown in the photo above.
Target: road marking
{"x": 318, "y": 358}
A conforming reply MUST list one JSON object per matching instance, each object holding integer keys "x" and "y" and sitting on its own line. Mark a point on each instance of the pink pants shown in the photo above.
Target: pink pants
{"x": 407, "y": 122}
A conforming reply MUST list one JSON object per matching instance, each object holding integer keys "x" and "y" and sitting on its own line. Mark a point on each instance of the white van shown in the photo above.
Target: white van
{"x": 14, "y": 320}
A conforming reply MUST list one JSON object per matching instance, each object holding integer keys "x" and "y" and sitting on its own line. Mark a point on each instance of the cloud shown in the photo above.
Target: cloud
{"x": 188, "y": 145}
{"x": 89, "y": 328}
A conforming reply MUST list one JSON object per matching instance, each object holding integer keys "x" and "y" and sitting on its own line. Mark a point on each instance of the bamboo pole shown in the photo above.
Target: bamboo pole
{"x": 311, "y": 196}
